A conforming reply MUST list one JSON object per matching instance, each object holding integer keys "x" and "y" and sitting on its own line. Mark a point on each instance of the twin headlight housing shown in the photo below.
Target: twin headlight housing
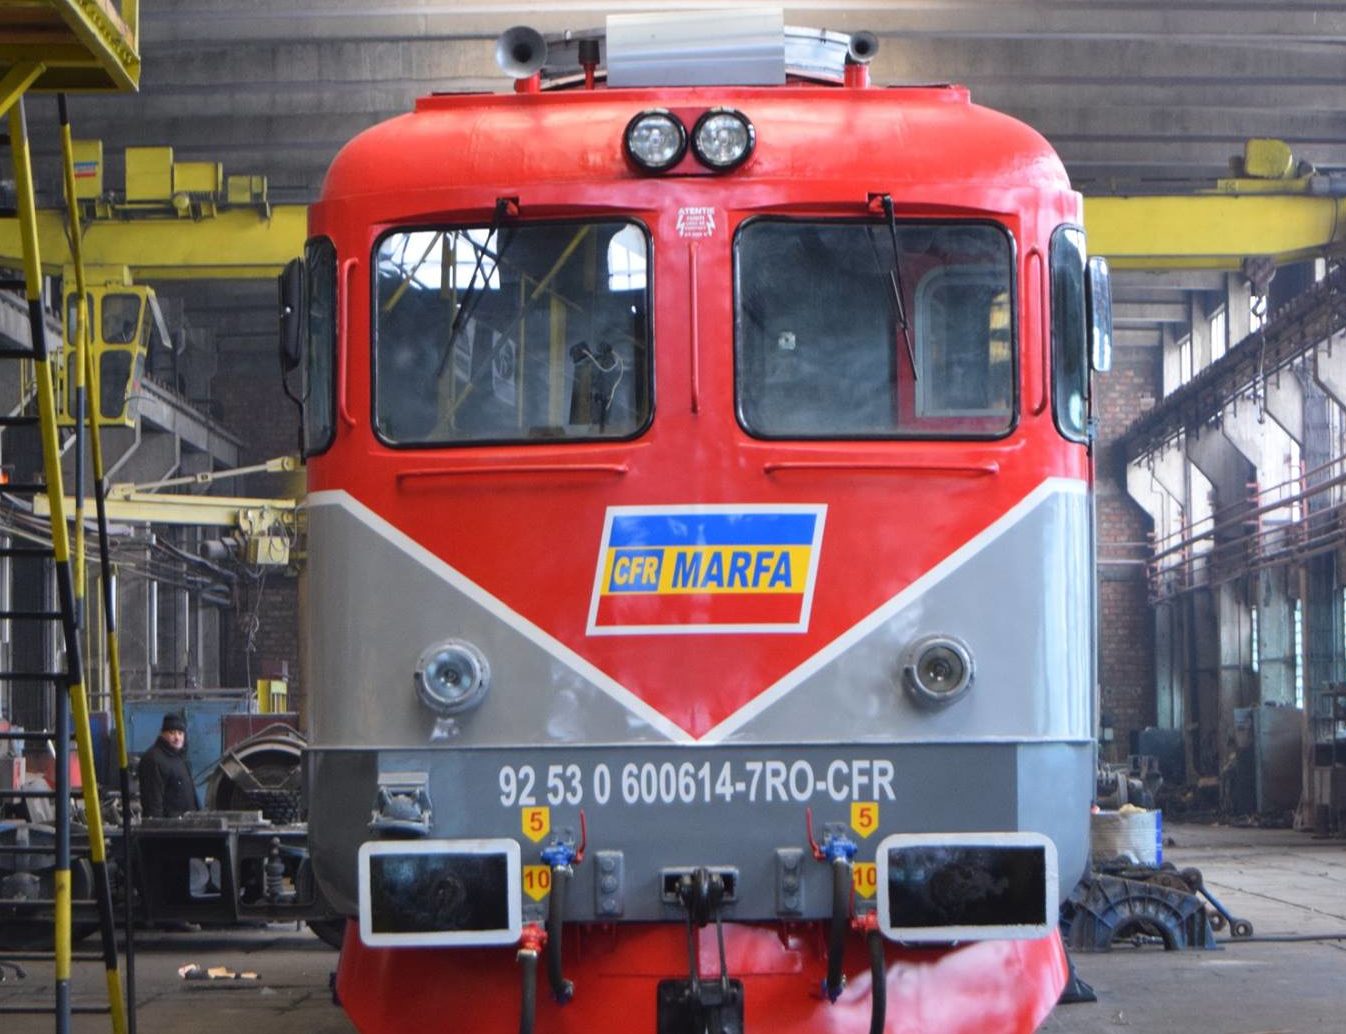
{"x": 722, "y": 139}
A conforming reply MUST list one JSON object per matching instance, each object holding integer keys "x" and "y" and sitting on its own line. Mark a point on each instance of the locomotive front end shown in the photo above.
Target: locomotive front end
{"x": 699, "y": 596}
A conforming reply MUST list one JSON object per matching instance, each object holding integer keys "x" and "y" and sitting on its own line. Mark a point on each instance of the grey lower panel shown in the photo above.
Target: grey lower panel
{"x": 650, "y": 809}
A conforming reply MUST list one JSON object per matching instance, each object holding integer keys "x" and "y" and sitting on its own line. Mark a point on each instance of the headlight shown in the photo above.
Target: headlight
{"x": 655, "y": 140}
{"x": 723, "y": 139}
{"x": 937, "y": 669}
{"x": 452, "y": 677}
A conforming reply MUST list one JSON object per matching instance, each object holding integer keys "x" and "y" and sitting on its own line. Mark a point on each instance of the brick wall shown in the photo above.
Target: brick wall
{"x": 247, "y": 398}
{"x": 1126, "y": 624}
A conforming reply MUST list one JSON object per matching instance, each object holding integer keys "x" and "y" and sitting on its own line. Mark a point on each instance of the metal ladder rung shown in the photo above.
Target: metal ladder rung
{"x": 36, "y": 676}
{"x": 45, "y": 552}
{"x": 20, "y": 903}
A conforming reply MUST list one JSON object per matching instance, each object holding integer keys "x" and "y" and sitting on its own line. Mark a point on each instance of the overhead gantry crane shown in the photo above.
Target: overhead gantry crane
{"x": 190, "y": 221}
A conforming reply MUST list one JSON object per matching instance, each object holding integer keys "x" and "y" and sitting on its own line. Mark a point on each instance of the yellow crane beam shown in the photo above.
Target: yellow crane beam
{"x": 1197, "y": 231}
{"x": 187, "y": 220}
{"x": 232, "y": 244}
{"x": 1213, "y": 231}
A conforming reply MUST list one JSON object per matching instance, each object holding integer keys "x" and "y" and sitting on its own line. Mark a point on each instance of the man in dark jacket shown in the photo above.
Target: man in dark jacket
{"x": 166, "y": 786}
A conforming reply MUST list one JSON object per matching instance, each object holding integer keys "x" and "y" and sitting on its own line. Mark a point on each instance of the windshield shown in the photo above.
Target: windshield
{"x": 821, "y": 349}
{"x": 517, "y": 333}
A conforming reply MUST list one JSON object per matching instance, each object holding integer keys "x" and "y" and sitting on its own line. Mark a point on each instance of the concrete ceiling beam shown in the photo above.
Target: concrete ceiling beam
{"x": 1227, "y": 469}
{"x": 1329, "y": 368}
{"x": 1285, "y": 403}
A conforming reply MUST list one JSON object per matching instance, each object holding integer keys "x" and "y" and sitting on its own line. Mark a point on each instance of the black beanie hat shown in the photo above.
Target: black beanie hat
{"x": 173, "y": 723}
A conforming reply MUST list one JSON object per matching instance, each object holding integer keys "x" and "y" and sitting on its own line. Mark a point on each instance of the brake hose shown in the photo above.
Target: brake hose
{"x": 878, "y": 989}
{"x": 840, "y": 926}
{"x": 561, "y": 988}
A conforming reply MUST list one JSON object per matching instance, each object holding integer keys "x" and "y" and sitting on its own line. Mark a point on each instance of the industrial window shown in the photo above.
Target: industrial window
{"x": 1219, "y": 333}
{"x": 121, "y": 318}
{"x": 528, "y": 332}
{"x": 1257, "y": 311}
{"x": 320, "y": 347}
{"x": 1255, "y": 650}
{"x": 1070, "y": 334}
{"x": 119, "y": 371}
{"x": 1185, "y": 360}
{"x": 1341, "y": 610}
{"x": 1299, "y": 653}
{"x": 820, "y": 347}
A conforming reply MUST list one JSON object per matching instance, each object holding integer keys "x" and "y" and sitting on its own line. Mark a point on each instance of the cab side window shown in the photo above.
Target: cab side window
{"x": 1070, "y": 334}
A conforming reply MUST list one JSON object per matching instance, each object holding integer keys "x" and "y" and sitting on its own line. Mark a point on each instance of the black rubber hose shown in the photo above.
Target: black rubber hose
{"x": 878, "y": 991}
{"x": 561, "y": 988}
{"x": 528, "y": 997}
{"x": 836, "y": 936}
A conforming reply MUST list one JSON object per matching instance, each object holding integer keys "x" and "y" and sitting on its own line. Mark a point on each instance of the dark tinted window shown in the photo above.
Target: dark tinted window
{"x": 121, "y": 318}
{"x": 820, "y": 351}
{"x": 1070, "y": 333}
{"x": 320, "y": 347}
{"x": 116, "y": 367}
{"x": 531, "y": 332}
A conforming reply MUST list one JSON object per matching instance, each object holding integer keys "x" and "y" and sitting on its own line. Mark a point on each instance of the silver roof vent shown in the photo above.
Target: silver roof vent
{"x": 687, "y": 50}
{"x": 697, "y": 48}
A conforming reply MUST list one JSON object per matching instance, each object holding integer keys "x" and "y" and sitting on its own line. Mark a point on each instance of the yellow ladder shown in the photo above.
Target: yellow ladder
{"x": 72, "y": 706}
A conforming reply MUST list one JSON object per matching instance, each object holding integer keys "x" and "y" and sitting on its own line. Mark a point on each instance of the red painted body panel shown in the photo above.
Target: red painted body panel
{"x": 993, "y": 987}
{"x": 516, "y": 533}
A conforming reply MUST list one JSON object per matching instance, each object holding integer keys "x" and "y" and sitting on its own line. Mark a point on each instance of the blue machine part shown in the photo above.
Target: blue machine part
{"x": 205, "y": 719}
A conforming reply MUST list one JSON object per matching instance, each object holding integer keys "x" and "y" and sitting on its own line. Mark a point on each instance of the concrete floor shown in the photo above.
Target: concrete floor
{"x": 1284, "y": 882}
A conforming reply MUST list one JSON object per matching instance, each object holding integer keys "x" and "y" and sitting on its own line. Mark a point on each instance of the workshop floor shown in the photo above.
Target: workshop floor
{"x": 1284, "y": 882}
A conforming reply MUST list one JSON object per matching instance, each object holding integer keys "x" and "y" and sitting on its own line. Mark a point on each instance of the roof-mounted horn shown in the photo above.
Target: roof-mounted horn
{"x": 520, "y": 52}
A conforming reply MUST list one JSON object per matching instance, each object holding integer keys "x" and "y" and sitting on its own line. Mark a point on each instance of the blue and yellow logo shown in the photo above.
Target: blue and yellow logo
{"x": 688, "y": 569}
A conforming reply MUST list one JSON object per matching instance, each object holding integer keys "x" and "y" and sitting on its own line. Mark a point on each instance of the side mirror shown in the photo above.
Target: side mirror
{"x": 1100, "y": 314}
{"x": 292, "y": 313}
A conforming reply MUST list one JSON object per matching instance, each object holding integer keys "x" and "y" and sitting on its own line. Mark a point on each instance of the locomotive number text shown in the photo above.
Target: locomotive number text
{"x": 687, "y": 782}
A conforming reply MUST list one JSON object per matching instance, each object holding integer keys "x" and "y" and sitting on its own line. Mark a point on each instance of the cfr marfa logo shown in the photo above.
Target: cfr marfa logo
{"x": 684, "y": 569}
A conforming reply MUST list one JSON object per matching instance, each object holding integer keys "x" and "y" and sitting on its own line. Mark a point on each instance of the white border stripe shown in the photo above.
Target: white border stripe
{"x": 955, "y": 560}
{"x": 652, "y": 717}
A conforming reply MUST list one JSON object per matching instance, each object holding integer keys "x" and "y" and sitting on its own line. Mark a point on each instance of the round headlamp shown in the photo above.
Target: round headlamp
{"x": 937, "y": 669}
{"x": 655, "y": 140}
{"x": 723, "y": 139}
{"x": 452, "y": 677}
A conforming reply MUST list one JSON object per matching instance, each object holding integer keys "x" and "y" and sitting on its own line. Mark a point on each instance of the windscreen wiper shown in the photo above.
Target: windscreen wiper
{"x": 467, "y": 305}
{"x": 895, "y": 280}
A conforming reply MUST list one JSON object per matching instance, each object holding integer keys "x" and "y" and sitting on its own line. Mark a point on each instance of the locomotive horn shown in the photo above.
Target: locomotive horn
{"x": 520, "y": 52}
{"x": 862, "y": 48}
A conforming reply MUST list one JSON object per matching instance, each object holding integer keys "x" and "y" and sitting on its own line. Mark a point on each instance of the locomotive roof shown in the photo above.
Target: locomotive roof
{"x": 897, "y": 135}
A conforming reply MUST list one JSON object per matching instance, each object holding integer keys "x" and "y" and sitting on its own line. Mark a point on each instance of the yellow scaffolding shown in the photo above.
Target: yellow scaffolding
{"x": 59, "y": 45}
{"x": 79, "y": 44}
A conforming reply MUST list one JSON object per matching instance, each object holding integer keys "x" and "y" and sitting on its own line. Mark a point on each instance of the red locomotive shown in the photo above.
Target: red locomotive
{"x": 699, "y": 593}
